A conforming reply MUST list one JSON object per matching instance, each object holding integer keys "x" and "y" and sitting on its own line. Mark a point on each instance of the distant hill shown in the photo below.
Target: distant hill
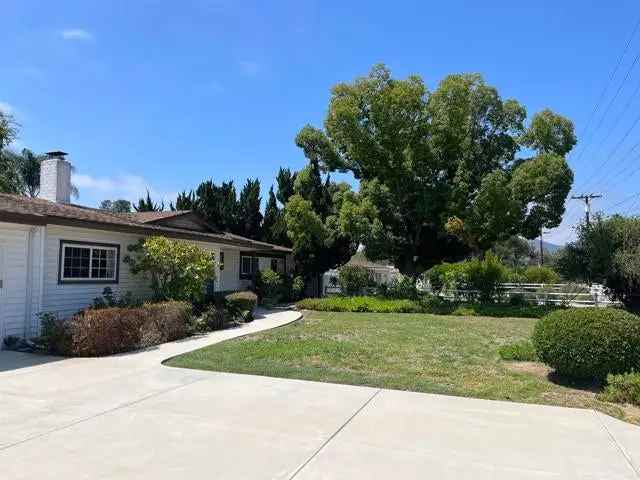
{"x": 549, "y": 247}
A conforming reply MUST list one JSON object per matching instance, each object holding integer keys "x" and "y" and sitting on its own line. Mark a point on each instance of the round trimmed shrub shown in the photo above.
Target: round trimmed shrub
{"x": 589, "y": 342}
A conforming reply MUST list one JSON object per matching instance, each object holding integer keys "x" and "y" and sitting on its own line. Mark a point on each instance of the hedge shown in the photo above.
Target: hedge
{"x": 427, "y": 304}
{"x": 589, "y": 342}
{"x": 105, "y": 331}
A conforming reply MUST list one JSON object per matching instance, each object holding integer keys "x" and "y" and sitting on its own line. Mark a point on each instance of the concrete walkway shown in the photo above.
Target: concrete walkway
{"x": 129, "y": 417}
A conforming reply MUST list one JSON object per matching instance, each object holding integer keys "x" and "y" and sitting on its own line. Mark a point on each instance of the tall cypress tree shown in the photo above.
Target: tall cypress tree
{"x": 249, "y": 215}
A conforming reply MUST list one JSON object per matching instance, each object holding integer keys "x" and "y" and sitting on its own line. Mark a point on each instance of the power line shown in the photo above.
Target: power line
{"x": 607, "y": 84}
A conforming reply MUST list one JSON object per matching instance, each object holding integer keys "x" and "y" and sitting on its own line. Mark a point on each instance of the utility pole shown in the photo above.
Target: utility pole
{"x": 586, "y": 198}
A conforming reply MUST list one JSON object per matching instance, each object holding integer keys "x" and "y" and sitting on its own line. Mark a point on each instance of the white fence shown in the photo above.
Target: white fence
{"x": 569, "y": 294}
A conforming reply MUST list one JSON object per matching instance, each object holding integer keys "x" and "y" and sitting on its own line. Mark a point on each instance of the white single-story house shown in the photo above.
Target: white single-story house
{"x": 57, "y": 257}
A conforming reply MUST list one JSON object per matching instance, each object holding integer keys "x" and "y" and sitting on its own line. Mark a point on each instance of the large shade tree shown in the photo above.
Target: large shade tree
{"x": 439, "y": 173}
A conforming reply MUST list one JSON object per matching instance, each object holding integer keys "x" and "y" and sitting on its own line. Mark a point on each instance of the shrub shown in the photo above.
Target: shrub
{"x": 402, "y": 287}
{"x": 172, "y": 320}
{"x": 240, "y": 305}
{"x": 106, "y": 331}
{"x": 353, "y": 279}
{"x": 297, "y": 288}
{"x": 268, "y": 286}
{"x": 486, "y": 276}
{"x": 426, "y": 304}
{"x": 622, "y": 388}
{"x": 215, "y": 318}
{"x": 522, "y": 351}
{"x": 589, "y": 342}
{"x": 540, "y": 275}
{"x": 110, "y": 299}
{"x": 55, "y": 334}
{"x": 178, "y": 270}
{"x": 360, "y": 304}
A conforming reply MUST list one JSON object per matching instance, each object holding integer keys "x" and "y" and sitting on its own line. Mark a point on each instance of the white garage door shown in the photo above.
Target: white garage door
{"x": 13, "y": 277}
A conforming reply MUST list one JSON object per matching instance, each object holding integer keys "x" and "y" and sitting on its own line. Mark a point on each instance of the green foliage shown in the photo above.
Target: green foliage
{"x": 514, "y": 252}
{"x": 423, "y": 158}
{"x": 110, "y": 299}
{"x": 297, "y": 287}
{"x": 542, "y": 185}
{"x": 8, "y": 129}
{"x": 360, "y": 304}
{"x": 286, "y": 181}
{"x": 354, "y": 279}
{"x": 589, "y": 342}
{"x": 218, "y": 205}
{"x": 402, "y": 287}
{"x": 215, "y": 318}
{"x": 522, "y": 351}
{"x": 540, "y": 274}
{"x": 622, "y": 388}
{"x": 241, "y": 305}
{"x": 116, "y": 206}
{"x": 425, "y": 304}
{"x": 184, "y": 201}
{"x": 269, "y": 286}
{"x": 482, "y": 275}
{"x": 55, "y": 334}
{"x": 607, "y": 252}
{"x": 178, "y": 270}
{"x": 145, "y": 204}
{"x": 249, "y": 215}
{"x": 550, "y": 133}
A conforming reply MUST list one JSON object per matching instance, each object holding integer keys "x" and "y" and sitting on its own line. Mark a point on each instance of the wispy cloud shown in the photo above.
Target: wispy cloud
{"x": 128, "y": 187}
{"x": 249, "y": 67}
{"x": 77, "y": 34}
{"x": 6, "y": 108}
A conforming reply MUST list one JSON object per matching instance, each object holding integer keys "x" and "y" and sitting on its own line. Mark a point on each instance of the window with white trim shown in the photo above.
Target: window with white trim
{"x": 80, "y": 262}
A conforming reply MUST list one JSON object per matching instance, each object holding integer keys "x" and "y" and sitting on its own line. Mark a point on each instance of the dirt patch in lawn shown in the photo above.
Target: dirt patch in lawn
{"x": 534, "y": 368}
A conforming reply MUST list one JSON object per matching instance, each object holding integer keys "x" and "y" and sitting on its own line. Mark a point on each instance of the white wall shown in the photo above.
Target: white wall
{"x": 230, "y": 276}
{"x": 13, "y": 273}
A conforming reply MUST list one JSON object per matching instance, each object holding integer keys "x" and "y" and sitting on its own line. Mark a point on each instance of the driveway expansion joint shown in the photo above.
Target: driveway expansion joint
{"x": 620, "y": 448}
{"x": 334, "y": 434}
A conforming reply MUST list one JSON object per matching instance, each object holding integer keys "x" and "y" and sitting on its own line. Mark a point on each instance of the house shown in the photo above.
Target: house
{"x": 381, "y": 272}
{"x": 57, "y": 257}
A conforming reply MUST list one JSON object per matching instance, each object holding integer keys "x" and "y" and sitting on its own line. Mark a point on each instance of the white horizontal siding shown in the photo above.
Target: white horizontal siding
{"x": 66, "y": 299}
{"x": 230, "y": 276}
{"x": 13, "y": 273}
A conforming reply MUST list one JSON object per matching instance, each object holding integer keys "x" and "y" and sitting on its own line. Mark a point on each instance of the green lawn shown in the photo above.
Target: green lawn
{"x": 419, "y": 352}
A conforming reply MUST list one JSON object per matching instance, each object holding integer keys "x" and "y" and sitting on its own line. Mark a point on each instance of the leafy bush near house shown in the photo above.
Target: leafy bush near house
{"x": 269, "y": 286}
{"x": 297, "y": 288}
{"x": 171, "y": 320}
{"x": 523, "y": 351}
{"x": 241, "y": 305}
{"x": 215, "y": 318}
{"x": 55, "y": 334}
{"x": 353, "y": 279}
{"x": 177, "y": 270}
{"x": 589, "y": 342}
{"x": 622, "y": 388}
{"x": 109, "y": 299}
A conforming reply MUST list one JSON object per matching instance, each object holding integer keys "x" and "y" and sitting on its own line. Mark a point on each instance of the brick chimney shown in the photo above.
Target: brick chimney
{"x": 55, "y": 178}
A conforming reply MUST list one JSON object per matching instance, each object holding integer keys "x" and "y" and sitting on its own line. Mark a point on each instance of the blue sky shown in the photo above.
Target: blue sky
{"x": 161, "y": 95}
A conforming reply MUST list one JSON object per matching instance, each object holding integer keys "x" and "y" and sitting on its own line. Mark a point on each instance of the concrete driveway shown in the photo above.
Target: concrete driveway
{"x": 128, "y": 417}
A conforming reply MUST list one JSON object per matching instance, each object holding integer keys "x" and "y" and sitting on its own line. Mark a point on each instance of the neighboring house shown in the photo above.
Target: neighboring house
{"x": 381, "y": 272}
{"x": 57, "y": 257}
